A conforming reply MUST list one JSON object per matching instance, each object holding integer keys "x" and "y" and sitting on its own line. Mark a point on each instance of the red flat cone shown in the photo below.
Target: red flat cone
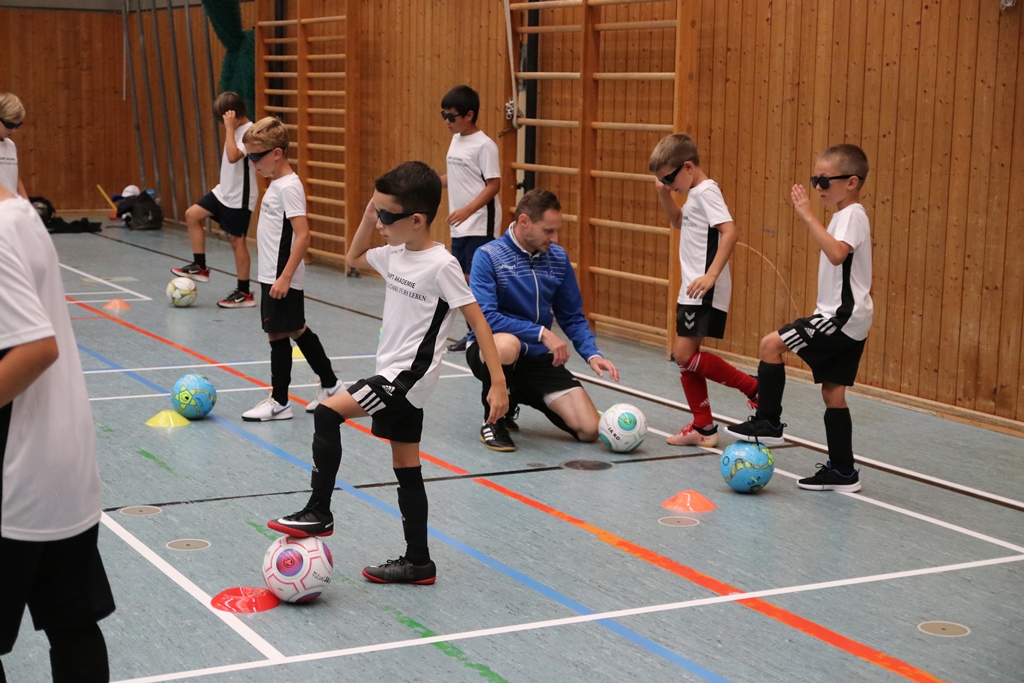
{"x": 242, "y": 599}
{"x": 688, "y": 501}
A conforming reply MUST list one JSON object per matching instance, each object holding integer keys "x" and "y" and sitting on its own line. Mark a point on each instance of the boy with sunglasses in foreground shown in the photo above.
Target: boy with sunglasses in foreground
{"x": 706, "y": 241}
{"x": 424, "y": 287}
{"x": 831, "y": 341}
{"x": 282, "y": 240}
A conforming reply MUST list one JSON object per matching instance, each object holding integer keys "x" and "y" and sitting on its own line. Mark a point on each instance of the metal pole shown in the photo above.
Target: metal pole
{"x": 167, "y": 120}
{"x": 135, "y": 100}
{"x": 209, "y": 67}
{"x": 181, "y": 107}
{"x": 149, "y": 102}
{"x": 195, "y": 95}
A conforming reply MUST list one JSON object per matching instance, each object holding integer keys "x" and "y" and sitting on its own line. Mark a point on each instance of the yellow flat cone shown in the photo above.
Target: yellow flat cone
{"x": 688, "y": 501}
{"x": 297, "y": 354}
{"x": 167, "y": 418}
{"x": 117, "y": 305}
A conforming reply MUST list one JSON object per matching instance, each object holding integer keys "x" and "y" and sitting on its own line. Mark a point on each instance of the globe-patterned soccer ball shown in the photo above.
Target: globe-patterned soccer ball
{"x": 747, "y": 467}
{"x": 181, "y": 292}
{"x": 298, "y": 569}
{"x": 194, "y": 396}
{"x": 622, "y": 427}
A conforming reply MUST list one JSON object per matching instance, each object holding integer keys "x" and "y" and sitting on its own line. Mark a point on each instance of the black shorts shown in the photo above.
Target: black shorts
{"x": 394, "y": 418}
{"x": 700, "y": 321}
{"x": 282, "y": 315}
{"x": 834, "y": 358}
{"x": 532, "y": 377}
{"x": 62, "y": 582}
{"x": 234, "y": 222}
{"x": 463, "y": 249}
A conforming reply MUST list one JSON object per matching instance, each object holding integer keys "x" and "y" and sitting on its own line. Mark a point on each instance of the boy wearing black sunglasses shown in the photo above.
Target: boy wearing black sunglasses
{"x": 707, "y": 238}
{"x": 424, "y": 287}
{"x": 473, "y": 179}
{"x": 831, "y": 341}
{"x": 282, "y": 240}
{"x": 12, "y": 115}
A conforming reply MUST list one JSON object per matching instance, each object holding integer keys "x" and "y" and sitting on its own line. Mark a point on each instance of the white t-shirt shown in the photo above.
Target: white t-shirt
{"x": 698, "y": 244}
{"x": 51, "y": 483}
{"x": 283, "y": 199}
{"x": 9, "y": 165}
{"x": 473, "y": 160}
{"x": 423, "y": 290}
{"x": 237, "y": 180}
{"x": 844, "y": 291}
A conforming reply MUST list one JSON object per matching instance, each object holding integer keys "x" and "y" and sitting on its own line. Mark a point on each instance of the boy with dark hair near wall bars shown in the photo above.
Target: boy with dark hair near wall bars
{"x": 283, "y": 238}
{"x": 707, "y": 238}
{"x": 473, "y": 179}
{"x": 230, "y": 203}
{"x": 424, "y": 287}
{"x": 832, "y": 340}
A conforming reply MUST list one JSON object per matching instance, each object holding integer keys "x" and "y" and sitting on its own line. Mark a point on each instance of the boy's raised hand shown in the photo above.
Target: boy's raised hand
{"x": 801, "y": 202}
{"x": 230, "y": 121}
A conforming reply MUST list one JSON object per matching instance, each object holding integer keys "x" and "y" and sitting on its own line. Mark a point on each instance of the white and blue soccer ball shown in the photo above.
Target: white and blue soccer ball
{"x": 747, "y": 467}
{"x": 182, "y": 292}
{"x": 622, "y": 427}
{"x": 193, "y": 396}
{"x": 298, "y": 569}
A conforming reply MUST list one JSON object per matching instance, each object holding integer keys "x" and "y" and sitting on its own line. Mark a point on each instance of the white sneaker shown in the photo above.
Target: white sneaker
{"x": 323, "y": 393}
{"x": 268, "y": 409}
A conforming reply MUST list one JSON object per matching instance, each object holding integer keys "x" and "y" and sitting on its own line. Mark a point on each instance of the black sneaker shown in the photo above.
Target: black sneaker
{"x": 402, "y": 571}
{"x": 238, "y": 299}
{"x": 305, "y": 522}
{"x": 193, "y": 271}
{"x": 827, "y": 478}
{"x": 496, "y": 437}
{"x": 757, "y": 430}
{"x": 510, "y": 419}
{"x": 459, "y": 346}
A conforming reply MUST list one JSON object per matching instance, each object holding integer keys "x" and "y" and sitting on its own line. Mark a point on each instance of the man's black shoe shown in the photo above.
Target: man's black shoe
{"x": 496, "y": 437}
{"x": 402, "y": 571}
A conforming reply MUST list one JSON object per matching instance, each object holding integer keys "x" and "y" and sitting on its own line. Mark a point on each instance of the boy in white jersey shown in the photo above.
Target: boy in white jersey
{"x": 282, "y": 239}
{"x": 831, "y": 341}
{"x": 231, "y": 204}
{"x": 707, "y": 238}
{"x": 424, "y": 287}
{"x": 12, "y": 115}
{"x": 49, "y": 517}
{"x": 473, "y": 179}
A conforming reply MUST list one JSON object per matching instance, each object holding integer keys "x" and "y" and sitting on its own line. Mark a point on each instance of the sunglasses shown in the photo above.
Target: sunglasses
{"x": 822, "y": 181}
{"x": 388, "y": 218}
{"x": 10, "y": 125}
{"x": 671, "y": 177}
{"x": 449, "y": 117}
{"x": 255, "y": 157}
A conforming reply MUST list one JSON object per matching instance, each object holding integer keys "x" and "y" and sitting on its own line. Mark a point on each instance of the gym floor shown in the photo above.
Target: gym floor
{"x": 557, "y": 562}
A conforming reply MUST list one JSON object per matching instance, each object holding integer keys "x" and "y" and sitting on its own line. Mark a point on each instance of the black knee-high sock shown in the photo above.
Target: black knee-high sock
{"x": 485, "y": 377}
{"x": 326, "y": 456}
{"x": 771, "y": 382}
{"x": 280, "y": 369}
{"x": 78, "y": 655}
{"x": 839, "y": 433}
{"x": 317, "y": 358}
{"x": 412, "y": 501}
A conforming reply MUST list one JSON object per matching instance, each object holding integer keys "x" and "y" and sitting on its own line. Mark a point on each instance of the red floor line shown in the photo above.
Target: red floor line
{"x": 781, "y": 615}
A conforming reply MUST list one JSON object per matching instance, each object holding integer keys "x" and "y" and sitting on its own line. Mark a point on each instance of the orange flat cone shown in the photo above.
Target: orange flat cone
{"x": 688, "y": 501}
{"x": 117, "y": 305}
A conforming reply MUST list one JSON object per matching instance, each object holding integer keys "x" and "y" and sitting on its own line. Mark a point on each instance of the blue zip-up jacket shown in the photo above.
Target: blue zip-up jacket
{"x": 520, "y": 294}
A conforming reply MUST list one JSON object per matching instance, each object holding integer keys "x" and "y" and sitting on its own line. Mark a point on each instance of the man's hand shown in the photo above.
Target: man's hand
{"x": 599, "y": 364}
{"x": 556, "y": 346}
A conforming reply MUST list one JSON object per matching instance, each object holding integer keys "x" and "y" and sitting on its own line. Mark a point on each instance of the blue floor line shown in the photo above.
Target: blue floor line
{"x": 481, "y": 557}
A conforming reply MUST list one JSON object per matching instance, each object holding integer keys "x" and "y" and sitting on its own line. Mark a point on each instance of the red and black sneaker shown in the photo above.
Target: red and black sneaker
{"x": 193, "y": 271}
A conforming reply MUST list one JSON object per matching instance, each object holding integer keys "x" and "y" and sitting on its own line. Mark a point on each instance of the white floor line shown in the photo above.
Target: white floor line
{"x": 157, "y": 368}
{"x": 253, "y": 638}
{"x": 106, "y": 283}
{"x": 579, "y": 619}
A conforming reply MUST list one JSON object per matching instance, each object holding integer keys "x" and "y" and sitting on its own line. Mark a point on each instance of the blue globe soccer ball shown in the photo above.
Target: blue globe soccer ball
{"x": 747, "y": 467}
{"x": 194, "y": 396}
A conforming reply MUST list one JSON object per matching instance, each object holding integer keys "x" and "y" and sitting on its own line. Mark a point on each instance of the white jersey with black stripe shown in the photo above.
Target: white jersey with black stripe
{"x": 284, "y": 199}
{"x": 844, "y": 291}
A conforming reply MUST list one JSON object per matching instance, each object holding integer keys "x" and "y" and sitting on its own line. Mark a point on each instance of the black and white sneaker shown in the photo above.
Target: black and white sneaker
{"x": 193, "y": 271}
{"x": 759, "y": 431}
{"x": 238, "y": 299}
{"x": 496, "y": 437}
{"x": 305, "y": 522}
{"x": 402, "y": 571}
{"x": 827, "y": 478}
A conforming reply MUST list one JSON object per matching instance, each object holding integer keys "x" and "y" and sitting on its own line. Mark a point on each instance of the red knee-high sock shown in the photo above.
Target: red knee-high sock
{"x": 696, "y": 389}
{"x": 709, "y": 366}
